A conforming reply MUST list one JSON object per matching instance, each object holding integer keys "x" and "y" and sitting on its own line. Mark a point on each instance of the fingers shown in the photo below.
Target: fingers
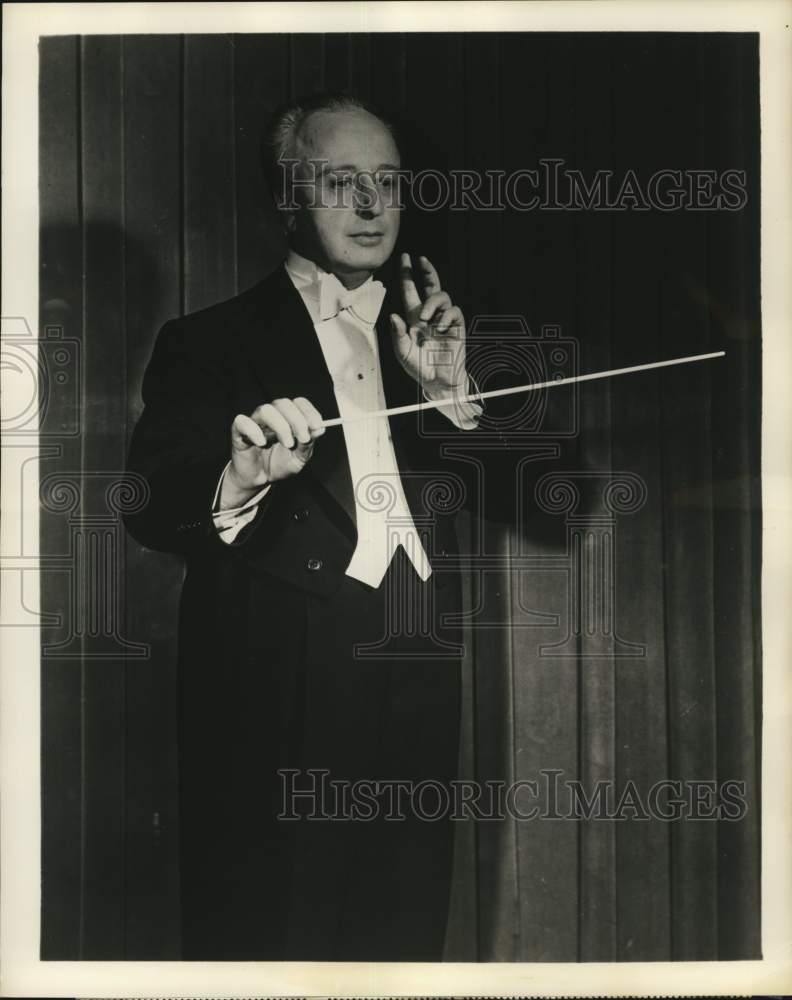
{"x": 431, "y": 279}
{"x": 437, "y": 303}
{"x": 294, "y": 423}
{"x": 270, "y": 419}
{"x": 295, "y": 418}
{"x": 246, "y": 433}
{"x": 402, "y": 339}
{"x": 410, "y": 296}
{"x": 312, "y": 416}
{"x": 452, "y": 322}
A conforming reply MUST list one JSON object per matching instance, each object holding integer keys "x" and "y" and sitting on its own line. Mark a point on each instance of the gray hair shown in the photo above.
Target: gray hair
{"x": 279, "y": 137}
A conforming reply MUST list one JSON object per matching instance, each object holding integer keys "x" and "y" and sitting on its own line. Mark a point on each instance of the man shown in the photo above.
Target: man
{"x": 311, "y": 635}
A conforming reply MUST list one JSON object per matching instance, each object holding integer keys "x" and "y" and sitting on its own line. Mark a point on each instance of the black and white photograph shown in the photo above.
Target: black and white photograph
{"x": 395, "y": 456}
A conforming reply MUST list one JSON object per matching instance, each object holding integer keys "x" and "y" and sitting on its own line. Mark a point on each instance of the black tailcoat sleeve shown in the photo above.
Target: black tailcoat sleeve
{"x": 181, "y": 443}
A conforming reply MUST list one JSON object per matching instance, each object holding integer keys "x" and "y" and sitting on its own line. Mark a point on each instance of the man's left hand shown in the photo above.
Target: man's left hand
{"x": 430, "y": 340}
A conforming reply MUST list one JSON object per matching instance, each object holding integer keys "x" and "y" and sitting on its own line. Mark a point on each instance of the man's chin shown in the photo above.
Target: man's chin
{"x": 361, "y": 260}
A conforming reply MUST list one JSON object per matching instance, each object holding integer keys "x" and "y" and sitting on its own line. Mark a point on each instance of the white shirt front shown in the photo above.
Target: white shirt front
{"x": 344, "y": 321}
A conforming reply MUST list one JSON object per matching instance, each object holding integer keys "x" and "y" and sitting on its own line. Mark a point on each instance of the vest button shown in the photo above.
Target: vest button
{"x": 300, "y": 514}
{"x": 314, "y": 564}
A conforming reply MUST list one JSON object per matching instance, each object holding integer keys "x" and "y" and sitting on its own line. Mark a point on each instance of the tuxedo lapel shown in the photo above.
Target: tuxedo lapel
{"x": 417, "y": 457}
{"x": 281, "y": 344}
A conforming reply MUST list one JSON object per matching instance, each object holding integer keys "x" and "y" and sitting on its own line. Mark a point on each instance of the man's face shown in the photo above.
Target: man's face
{"x": 349, "y": 219}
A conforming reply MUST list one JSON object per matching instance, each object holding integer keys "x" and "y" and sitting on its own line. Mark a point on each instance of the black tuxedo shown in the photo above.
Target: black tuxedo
{"x": 269, "y": 674}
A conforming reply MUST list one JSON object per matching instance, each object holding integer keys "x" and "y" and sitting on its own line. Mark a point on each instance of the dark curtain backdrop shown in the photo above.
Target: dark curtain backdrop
{"x": 152, "y": 205}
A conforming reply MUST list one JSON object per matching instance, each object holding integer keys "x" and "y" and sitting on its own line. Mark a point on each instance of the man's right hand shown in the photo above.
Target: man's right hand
{"x": 274, "y": 442}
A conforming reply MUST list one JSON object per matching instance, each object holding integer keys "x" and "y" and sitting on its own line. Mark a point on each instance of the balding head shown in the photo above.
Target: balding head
{"x": 294, "y": 130}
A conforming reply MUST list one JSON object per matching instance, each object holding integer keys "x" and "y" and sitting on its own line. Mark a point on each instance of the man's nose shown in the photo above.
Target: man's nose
{"x": 368, "y": 201}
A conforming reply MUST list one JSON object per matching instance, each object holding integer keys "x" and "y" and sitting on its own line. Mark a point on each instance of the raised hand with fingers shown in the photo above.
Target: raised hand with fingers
{"x": 429, "y": 340}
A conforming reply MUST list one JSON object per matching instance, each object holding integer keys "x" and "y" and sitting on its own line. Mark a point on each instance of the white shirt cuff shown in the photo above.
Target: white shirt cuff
{"x": 465, "y": 415}
{"x": 229, "y": 523}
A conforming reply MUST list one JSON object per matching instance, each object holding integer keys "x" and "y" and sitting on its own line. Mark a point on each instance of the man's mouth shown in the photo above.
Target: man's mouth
{"x": 367, "y": 237}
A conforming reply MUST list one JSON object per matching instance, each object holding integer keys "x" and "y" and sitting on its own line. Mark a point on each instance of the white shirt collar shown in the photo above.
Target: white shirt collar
{"x": 330, "y": 294}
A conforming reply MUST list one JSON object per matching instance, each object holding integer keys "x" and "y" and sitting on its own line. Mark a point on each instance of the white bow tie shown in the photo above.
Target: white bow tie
{"x": 365, "y": 302}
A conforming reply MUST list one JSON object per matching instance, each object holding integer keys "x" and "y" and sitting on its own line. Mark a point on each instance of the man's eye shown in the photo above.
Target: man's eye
{"x": 386, "y": 180}
{"x": 340, "y": 180}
